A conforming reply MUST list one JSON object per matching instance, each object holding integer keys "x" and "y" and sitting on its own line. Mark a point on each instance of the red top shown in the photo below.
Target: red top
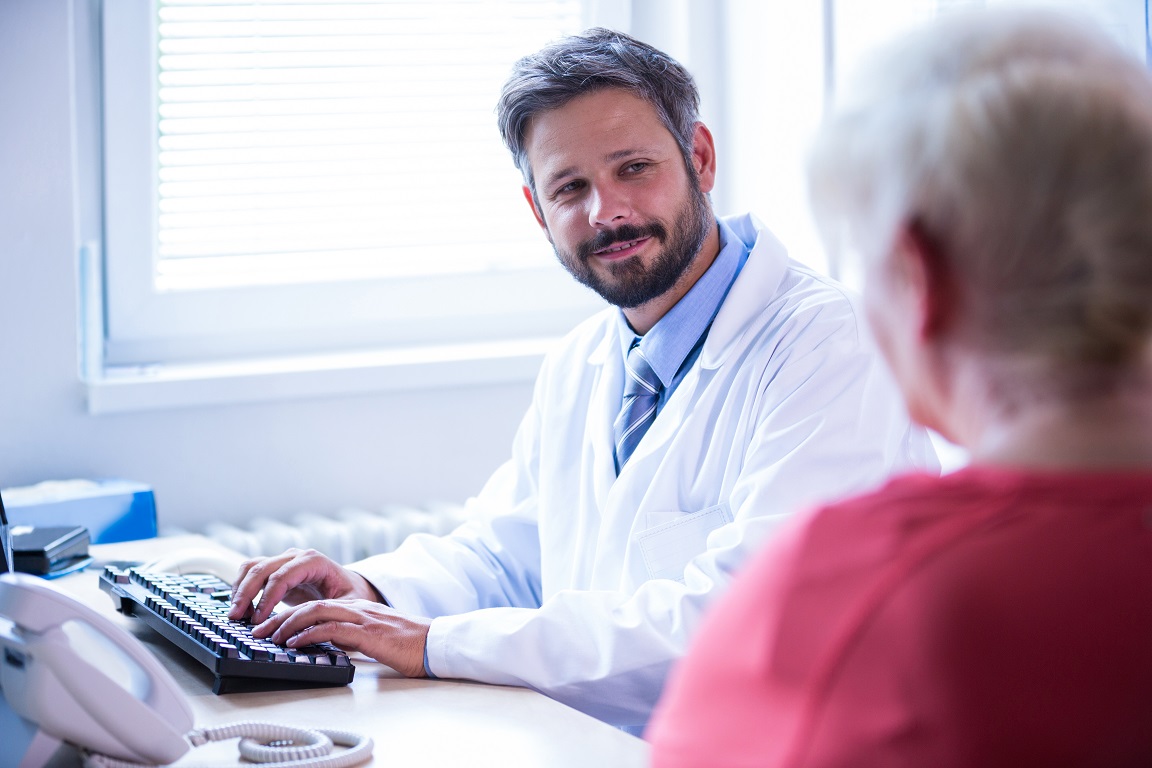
{"x": 985, "y": 618}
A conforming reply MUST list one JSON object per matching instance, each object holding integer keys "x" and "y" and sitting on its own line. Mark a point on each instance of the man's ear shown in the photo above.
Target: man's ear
{"x": 928, "y": 273}
{"x": 535, "y": 210}
{"x": 704, "y": 157}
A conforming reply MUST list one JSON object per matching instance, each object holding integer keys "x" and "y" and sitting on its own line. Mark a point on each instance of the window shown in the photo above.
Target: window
{"x": 858, "y": 27}
{"x": 316, "y": 186}
{"x": 290, "y": 178}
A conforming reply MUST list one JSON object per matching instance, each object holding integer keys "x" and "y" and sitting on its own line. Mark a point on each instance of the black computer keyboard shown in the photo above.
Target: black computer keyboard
{"x": 191, "y": 610}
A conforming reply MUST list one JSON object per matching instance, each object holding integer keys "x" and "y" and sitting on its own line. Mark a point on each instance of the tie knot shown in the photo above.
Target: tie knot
{"x": 641, "y": 379}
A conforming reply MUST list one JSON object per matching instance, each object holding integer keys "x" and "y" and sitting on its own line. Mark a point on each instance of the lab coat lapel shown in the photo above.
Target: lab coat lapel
{"x": 755, "y": 287}
{"x": 606, "y": 396}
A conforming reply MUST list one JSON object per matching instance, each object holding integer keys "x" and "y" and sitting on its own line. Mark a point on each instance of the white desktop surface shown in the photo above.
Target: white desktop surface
{"x": 412, "y": 722}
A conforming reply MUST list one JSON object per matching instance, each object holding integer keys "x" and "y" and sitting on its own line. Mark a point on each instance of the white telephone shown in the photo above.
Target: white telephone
{"x": 71, "y": 675}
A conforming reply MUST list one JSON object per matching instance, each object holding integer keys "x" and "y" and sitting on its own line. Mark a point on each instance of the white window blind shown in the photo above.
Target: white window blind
{"x": 315, "y": 141}
{"x": 288, "y": 177}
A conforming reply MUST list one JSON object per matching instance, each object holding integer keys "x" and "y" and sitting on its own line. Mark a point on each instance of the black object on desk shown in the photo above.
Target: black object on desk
{"x": 5, "y": 541}
{"x": 48, "y": 550}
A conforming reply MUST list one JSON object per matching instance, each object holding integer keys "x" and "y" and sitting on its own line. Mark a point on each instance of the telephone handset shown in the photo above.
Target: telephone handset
{"x": 81, "y": 679}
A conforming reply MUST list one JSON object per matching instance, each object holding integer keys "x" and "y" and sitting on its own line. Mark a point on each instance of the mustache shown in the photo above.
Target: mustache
{"x": 622, "y": 234}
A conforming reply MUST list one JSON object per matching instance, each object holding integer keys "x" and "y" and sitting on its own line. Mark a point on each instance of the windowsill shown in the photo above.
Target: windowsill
{"x": 166, "y": 386}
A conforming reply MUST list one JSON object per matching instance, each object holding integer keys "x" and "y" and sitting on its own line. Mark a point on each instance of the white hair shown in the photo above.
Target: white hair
{"x": 1020, "y": 142}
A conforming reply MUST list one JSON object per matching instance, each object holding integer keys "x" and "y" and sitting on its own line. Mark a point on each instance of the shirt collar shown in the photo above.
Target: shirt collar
{"x": 674, "y": 336}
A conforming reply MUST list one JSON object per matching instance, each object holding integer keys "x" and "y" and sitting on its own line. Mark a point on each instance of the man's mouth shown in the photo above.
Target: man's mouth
{"x": 616, "y": 248}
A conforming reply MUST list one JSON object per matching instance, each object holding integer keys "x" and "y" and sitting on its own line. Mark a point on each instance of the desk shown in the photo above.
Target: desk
{"x": 413, "y": 722}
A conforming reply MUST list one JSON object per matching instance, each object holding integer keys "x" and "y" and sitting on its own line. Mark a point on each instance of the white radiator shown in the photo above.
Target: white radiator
{"x": 347, "y": 535}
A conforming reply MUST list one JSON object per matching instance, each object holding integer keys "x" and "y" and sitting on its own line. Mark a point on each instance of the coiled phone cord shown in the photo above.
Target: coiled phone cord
{"x": 271, "y": 745}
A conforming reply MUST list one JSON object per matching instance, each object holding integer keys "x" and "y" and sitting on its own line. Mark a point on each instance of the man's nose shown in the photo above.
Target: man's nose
{"x": 608, "y": 207}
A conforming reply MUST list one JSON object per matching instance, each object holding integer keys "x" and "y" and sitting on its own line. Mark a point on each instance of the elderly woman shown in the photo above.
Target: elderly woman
{"x": 994, "y": 174}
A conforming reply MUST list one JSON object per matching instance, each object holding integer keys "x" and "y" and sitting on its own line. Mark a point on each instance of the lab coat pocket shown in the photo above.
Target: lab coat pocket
{"x": 668, "y": 547}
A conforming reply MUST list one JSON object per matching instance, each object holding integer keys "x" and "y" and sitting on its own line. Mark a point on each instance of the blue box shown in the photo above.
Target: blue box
{"x": 111, "y": 510}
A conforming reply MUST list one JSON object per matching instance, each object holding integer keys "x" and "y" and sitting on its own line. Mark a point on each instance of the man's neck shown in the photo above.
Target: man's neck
{"x": 642, "y": 318}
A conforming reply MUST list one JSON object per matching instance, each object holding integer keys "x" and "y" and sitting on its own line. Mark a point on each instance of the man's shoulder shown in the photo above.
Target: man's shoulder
{"x": 584, "y": 339}
{"x": 776, "y": 292}
{"x": 593, "y": 329}
{"x": 800, "y": 304}
{"x": 802, "y": 286}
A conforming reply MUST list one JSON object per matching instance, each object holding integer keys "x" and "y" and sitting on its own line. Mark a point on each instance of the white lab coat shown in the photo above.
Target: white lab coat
{"x": 588, "y": 586}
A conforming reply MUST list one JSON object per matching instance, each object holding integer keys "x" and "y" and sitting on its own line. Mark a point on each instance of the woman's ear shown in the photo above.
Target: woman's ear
{"x": 922, "y": 262}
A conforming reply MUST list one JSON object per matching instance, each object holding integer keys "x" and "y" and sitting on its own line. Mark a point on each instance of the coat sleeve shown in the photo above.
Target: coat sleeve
{"x": 826, "y": 420}
{"x": 493, "y": 560}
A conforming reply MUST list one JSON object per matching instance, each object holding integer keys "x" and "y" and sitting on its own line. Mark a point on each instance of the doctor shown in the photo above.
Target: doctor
{"x": 667, "y": 435}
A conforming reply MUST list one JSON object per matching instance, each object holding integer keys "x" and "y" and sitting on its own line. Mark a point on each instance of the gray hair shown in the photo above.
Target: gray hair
{"x": 594, "y": 60}
{"x": 1020, "y": 142}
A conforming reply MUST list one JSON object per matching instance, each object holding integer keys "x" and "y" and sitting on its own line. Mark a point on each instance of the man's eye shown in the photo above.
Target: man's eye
{"x": 635, "y": 167}
{"x": 571, "y": 186}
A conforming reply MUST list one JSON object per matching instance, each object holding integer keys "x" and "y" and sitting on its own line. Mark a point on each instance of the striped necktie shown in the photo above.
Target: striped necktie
{"x": 641, "y": 389}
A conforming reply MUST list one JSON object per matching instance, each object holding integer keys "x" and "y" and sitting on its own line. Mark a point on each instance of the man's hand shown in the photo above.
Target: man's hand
{"x": 366, "y": 626}
{"x": 295, "y": 577}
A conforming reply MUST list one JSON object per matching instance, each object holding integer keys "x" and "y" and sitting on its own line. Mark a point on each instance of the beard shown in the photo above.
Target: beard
{"x": 629, "y": 283}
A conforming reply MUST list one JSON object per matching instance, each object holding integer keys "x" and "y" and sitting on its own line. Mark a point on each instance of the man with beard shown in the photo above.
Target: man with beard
{"x": 667, "y": 437}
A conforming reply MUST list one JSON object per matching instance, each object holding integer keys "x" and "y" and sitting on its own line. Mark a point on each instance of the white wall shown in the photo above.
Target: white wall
{"x": 226, "y": 463}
